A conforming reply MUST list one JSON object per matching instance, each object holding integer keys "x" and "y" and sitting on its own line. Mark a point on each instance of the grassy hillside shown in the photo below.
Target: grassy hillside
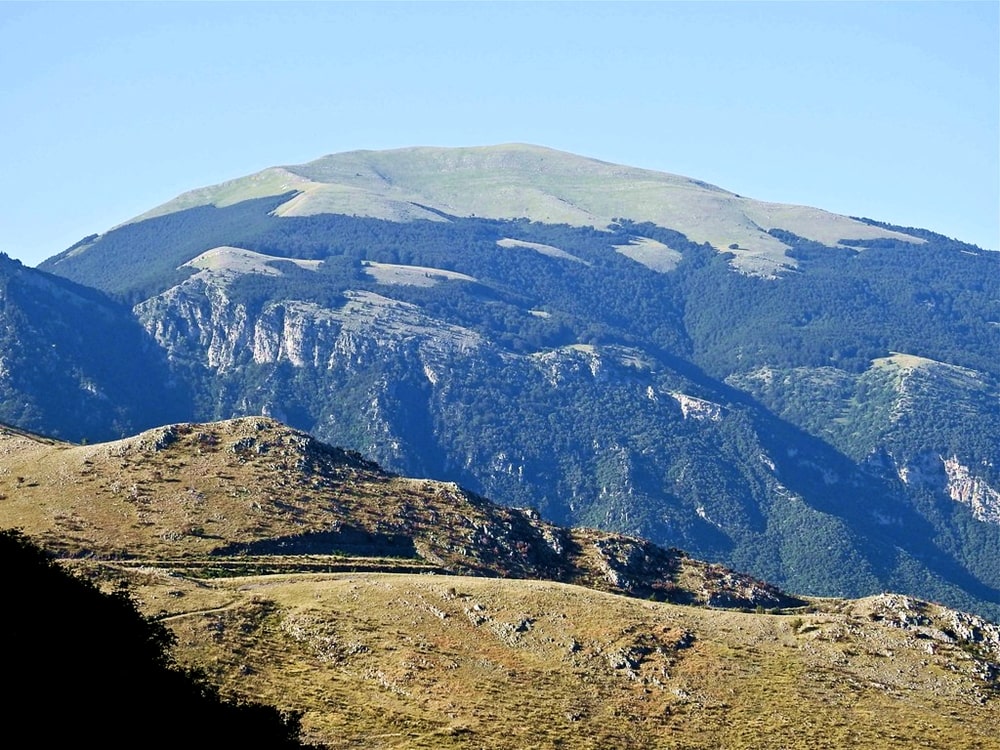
{"x": 304, "y": 577}
{"x": 209, "y": 497}
{"x": 397, "y": 661}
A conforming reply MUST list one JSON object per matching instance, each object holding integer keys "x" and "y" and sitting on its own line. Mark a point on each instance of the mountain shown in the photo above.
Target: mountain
{"x": 808, "y": 397}
{"x": 75, "y": 363}
{"x": 399, "y": 612}
{"x": 524, "y": 181}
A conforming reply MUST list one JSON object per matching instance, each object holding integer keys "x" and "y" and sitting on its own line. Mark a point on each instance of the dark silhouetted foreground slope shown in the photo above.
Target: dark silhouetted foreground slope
{"x": 83, "y": 667}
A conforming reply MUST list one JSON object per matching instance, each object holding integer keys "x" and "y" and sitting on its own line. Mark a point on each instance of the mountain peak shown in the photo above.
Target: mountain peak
{"x": 517, "y": 180}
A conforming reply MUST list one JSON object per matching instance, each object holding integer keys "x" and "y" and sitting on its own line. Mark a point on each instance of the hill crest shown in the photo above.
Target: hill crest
{"x": 252, "y": 486}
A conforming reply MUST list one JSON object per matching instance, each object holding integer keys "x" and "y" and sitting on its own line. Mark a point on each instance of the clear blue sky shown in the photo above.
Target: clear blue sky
{"x": 888, "y": 110}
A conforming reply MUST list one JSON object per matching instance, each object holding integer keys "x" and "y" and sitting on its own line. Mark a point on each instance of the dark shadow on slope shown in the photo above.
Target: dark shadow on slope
{"x": 862, "y": 501}
{"x": 140, "y": 259}
{"x": 348, "y": 541}
{"x": 78, "y": 364}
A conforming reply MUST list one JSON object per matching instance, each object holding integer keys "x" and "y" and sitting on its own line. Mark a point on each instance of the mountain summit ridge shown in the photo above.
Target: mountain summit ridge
{"x": 512, "y": 181}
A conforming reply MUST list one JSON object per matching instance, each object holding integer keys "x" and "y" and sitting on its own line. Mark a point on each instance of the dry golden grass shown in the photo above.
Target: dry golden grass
{"x": 393, "y": 660}
{"x": 407, "y": 661}
{"x": 217, "y": 494}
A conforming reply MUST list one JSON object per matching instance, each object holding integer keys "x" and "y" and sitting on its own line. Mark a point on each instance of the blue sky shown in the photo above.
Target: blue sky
{"x": 887, "y": 110}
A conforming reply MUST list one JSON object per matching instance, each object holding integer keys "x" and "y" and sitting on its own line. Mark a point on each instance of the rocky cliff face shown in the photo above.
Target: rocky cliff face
{"x": 294, "y": 360}
{"x": 966, "y": 488}
{"x": 199, "y": 320}
{"x": 950, "y": 478}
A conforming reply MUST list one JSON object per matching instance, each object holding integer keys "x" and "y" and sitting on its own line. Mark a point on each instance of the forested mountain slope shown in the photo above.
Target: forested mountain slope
{"x": 75, "y": 363}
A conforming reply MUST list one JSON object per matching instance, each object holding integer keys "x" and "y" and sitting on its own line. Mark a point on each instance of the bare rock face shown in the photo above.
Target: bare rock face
{"x": 954, "y": 480}
{"x": 937, "y": 623}
{"x": 963, "y": 486}
{"x": 643, "y": 569}
{"x": 972, "y": 641}
{"x": 200, "y": 319}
